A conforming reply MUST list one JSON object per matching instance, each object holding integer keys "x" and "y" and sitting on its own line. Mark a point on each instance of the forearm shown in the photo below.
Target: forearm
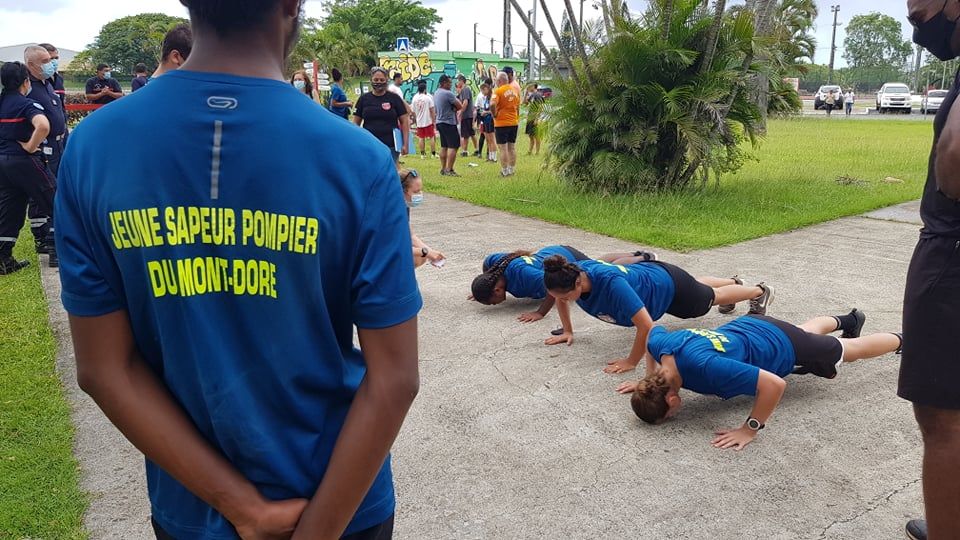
{"x": 546, "y": 305}
{"x": 370, "y": 429}
{"x": 405, "y": 131}
{"x": 639, "y": 349}
{"x": 651, "y": 364}
{"x": 40, "y": 132}
{"x": 563, "y": 309}
{"x": 357, "y": 120}
{"x": 770, "y": 389}
{"x": 135, "y": 400}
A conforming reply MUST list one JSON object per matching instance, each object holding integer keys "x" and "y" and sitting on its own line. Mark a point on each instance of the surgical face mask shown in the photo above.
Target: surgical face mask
{"x": 416, "y": 200}
{"x": 106, "y": 74}
{"x": 936, "y": 35}
{"x": 56, "y": 64}
{"x": 48, "y": 69}
{"x": 299, "y": 84}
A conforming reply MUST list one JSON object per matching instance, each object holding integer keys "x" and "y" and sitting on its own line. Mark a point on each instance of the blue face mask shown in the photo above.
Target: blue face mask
{"x": 106, "y": 74}
{"x": 48, "y": 69}
{"x": 416, "y": 200}
{"x": 56, "y": 64}
{"x": 299, "y": 84}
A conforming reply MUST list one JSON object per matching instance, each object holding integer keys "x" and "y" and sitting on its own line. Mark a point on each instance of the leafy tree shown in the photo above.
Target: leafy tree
{"x": 385, "y": 20}
{"x": 334, "y": 46}
{"x": 125, "y": 42}
{"x": 876, "y": 40}
{"x": 659, "y": 106}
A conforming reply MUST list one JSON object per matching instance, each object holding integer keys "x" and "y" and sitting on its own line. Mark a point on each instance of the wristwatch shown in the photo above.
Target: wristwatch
{"x": 424, "y": 251}
{"x": 754, "y": 424}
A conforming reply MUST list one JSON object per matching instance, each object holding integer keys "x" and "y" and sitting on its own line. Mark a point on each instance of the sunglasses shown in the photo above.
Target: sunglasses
{"x": 411, "y": 172}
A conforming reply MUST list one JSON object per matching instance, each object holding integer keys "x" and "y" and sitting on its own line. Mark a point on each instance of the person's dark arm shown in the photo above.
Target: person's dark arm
{"x": 378, "y": 410}
{"x": 41, "y": 128}
{"x": 457, "y": 104}
{"x": 540, "y": 313}
{"x": 770, "y": 389}
{"x": 111, "y": 371}
{"x": 115, "y": 90}
{"x": 563, "y": 309}
{"x": 947, "y": 162}
{"x": 644, "y": 324}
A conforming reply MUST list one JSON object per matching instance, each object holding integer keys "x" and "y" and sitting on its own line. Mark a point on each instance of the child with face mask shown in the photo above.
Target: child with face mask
{"x": 413, "y": 194}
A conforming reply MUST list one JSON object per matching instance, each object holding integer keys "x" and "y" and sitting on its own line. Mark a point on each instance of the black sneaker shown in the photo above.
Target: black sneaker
{"x": 10, "y": 265}
{"x": 463, "y": 154}
{"x": 854, "y": 332}
{"x": 648, "y": 256}
{"x": 54, "y": 261}
{"x": 728, "y": 308}
{"x": 453, "y": 173}
{"x": 917, "y": 529}
{"x": 40, "y": 246}
{"x": 758, "y": 306}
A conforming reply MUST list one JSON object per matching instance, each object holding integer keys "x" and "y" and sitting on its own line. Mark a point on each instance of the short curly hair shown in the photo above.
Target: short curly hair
{"x": 649, "y": 400}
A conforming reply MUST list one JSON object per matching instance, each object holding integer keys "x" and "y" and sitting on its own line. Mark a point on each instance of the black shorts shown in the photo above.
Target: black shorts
{"x": 466, "y": 128}
{"x": 579, "y": 255}
{"x": 487, "y": 122}
{"x": 691, "y": 299}
{"x": 930, "y": 366}
{"x": 531, "y": 128}
{"x": 449, "y": 136}
{"x": 507, "y": 135}
{"x": 818, "y": 354}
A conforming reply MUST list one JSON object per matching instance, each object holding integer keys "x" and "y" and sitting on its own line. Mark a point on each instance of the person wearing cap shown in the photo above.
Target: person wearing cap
{"x": 41, "y": 69}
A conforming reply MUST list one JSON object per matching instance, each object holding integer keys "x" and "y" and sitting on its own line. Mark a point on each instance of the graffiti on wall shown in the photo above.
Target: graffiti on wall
{"x": 414, "y": 67}
{"x": 411, "y": 66}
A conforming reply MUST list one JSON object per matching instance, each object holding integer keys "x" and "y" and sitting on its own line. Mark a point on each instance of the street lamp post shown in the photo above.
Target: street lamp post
{"x": 475, "y": 37}
{"x": 833, "y": 42}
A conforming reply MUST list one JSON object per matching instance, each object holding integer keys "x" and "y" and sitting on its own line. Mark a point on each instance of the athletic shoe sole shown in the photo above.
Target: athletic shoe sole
{"x": 758, "y": 306}
{"x": 728, "y": 308}
{"x": 855, "y": 331}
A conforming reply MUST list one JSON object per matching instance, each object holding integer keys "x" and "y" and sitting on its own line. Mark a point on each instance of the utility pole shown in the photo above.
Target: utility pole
{"x": 533, "y": 43}
{"x": 491, "y": 45}
{"x": 475, "y": 37}
{"x": 448, "y": 39}
{"x": 833, "y": 43}
{"x": 529, "y": 73}
{"x": 507, "y": 47}
{"x": 581, "y": 18}
{"x": 540, "y": 54}
{"x": 916, "y": 68}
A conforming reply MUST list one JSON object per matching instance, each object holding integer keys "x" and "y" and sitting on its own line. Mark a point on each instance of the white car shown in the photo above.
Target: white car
{"x": 894, "y": 97}
{"x": 820, "y": 98}
{"x": 932, "y": 101}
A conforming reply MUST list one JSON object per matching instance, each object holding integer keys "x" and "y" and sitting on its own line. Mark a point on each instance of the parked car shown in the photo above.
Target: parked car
{"x": 932, "y": 101}
{"x": 820, "y": 98}
{"x": 894, "y": 97}
{"x": 546, "y": 91}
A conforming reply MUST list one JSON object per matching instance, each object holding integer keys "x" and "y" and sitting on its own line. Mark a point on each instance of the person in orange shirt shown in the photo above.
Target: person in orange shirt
{"x": 506, "y": 121}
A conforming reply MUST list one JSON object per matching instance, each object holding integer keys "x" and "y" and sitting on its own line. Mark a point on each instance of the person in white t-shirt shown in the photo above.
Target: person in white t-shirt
{"x": 425, "y": 116}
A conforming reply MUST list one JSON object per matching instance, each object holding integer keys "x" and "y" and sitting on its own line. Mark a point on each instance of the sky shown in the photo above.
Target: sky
{"x": 73, "y": 24}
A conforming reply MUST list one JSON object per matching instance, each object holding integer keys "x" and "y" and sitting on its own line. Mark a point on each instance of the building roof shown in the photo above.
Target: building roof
{"x": 14, "y": 53}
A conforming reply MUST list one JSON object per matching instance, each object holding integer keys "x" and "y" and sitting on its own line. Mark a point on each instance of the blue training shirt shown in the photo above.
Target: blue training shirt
{"x": 618, "y": 292}
{"x": 524, "y": 275}
{"x": 725, "y": 362}
{"x": 244, "y": 253}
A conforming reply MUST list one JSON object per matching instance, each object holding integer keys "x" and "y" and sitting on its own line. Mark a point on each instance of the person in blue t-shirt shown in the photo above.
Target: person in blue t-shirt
{"x": 636, "y": 295}
{"x": 747, "y": 357}
{"x": 339, "y": 103}
{"x": 213, "y": 296}
{"x": 521, "y": 274}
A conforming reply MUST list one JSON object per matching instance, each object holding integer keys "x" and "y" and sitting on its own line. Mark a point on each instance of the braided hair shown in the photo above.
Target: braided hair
{"x": 649, "y": 400}
{"x": 483, "y": 285}
{"x": 559, "y": 274}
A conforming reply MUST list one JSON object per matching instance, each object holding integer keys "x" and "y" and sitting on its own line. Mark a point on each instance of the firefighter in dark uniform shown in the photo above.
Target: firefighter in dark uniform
{"x": 23, "y": 171}
{"x": 57, "y": 79}
{"x": 41, "y": 68}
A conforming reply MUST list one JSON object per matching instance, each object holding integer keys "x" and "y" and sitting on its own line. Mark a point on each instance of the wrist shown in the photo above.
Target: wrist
{"x": 753, "y": 424}
{"x": 240, "y": 506}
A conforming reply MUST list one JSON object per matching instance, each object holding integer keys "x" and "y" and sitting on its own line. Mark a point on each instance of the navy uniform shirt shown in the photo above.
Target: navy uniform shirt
{"x": 60, "y": 90}
{"x": 44, "y": 94}
{"x": 94, "y": 84}
{"x": 16, "y": 122}
{"x": 138, "y": 83}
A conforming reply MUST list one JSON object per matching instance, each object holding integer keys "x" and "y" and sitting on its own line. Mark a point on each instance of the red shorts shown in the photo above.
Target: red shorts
{"x": 428, "y": 132}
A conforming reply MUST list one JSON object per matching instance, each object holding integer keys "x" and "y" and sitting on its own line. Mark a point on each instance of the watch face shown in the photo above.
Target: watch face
{"x": 754, "y": 424}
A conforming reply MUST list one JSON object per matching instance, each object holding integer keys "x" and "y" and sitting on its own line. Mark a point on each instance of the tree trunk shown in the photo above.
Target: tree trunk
{"x": 536, "y": 37}
{"x": 606, "y": 18}
{"x": 720, "y": 7}
{"x": 578, "y": 40}
{"x": 667, "y": 19}
{"x": 763, "y": 25}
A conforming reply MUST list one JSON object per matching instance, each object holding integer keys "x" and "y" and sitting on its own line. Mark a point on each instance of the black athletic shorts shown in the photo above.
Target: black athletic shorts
{"x": 930, "y": 367}
{"x": 691, "y": 299}
{"x": 507, "y": 135}
{"x": 818, "y": 354}
{"x": 466, "y": 128}
{"x": 531, "y": 128}
{"x": 383, "y": 531}
{"x": 580, "y": 256}
{"x": 449, "y": 136}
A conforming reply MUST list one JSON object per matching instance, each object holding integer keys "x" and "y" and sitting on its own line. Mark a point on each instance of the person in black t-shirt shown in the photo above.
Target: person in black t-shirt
{"x": 930, "y": 368}
{"x": 102, "y": 88}
{"x": 381, "y": 112}
{"x": 140, "y": 79}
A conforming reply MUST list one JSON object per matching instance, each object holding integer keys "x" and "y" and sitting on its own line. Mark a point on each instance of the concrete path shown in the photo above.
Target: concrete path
{"x": 513, "y": 439}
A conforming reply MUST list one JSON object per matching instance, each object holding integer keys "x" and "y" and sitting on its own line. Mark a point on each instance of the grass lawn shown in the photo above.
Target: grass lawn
{"x": 39, "y": 478}
{"x": 793, "y": 183}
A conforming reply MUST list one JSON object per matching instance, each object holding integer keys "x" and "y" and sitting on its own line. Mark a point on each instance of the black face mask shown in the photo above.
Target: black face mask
{"x": 936, "y": 36}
